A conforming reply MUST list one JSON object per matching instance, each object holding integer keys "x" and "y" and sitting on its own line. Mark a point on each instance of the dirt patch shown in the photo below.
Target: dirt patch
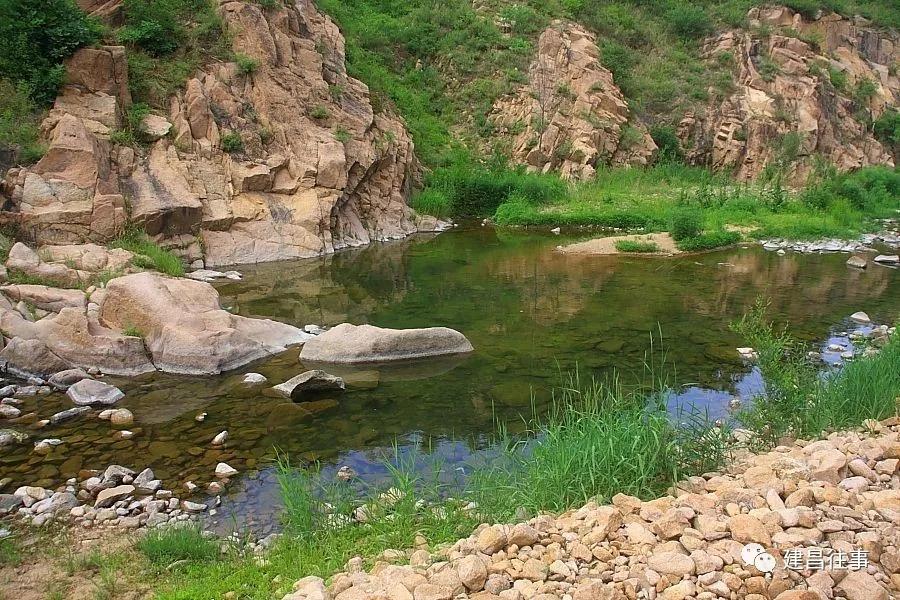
{"x": 70, "y": 564}
{"x": 607, "y": 245}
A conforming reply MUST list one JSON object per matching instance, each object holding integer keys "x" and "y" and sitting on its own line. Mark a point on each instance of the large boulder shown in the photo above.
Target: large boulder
{"x": 44, "y": 297}
{"x": 90, "y": 392}
{"x": 185, "y": 329}
{"x": 348, "y": 343}
{"x": 31, "y": 357}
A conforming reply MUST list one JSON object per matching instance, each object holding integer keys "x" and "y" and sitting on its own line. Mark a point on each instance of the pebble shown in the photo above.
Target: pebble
{"x": 220, "y": 438}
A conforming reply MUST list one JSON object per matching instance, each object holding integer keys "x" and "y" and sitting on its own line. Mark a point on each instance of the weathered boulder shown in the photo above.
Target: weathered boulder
{"x": 44, "y": 297}
{"x": 308, "y": 383}
{"x": 31, "y": 356}
{"x": 89, "y": 392}
{"x": 185, "y": 329}
{"x": 28, "y": 262}
{"x": 348, "y": 343}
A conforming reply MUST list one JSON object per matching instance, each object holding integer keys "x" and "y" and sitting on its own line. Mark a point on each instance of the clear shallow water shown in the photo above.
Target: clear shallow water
{"x": 532, "y": 315}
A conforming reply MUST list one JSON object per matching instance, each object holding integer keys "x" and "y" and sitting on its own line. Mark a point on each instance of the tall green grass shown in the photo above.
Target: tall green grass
{"x": 162, "y": 547}
{"x": 148, "y": 254}
{"x": 798, "y": 400}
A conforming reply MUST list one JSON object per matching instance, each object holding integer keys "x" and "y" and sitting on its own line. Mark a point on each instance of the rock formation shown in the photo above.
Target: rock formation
{"x": 283, "y": 160}
{"x": 139, "y": 323}
{"x": 785, "y": 106}
{"x": 571, "y": 117}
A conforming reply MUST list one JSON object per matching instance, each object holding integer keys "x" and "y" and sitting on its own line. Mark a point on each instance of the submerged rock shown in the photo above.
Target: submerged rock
{"x": 857, "y": 261}
{"x": 309, "y": 382}
{"x": 88, "y": 392}
{"x": 8, "y": 437}
{"x": 348, "y": 343}
{"x": 887, "y": 259}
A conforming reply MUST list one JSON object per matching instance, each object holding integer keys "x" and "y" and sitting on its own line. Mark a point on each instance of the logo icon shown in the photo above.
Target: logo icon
{"x": 756, "y": 555}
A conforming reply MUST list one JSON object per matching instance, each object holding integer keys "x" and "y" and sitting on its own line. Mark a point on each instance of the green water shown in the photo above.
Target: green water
{"x": 533, "y": 316}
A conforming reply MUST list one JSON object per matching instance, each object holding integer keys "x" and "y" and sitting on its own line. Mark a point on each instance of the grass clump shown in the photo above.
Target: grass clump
{"x": 709, "y": 241}
{"x": 232, "y": 142}
{"x": 247, "y": 65}
{"x": 164, "y": 546}
{"x": 148, "y": 254}
{"x": 636, "y": 246}
{"x": 798, "y": 400}
{"x": 19, "y": 123}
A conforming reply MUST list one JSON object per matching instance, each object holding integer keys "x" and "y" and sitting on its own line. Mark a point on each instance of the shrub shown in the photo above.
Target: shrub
{"x": 768, "y": 68}
{"x": 19, "y": 126}
{"x": 668, "y": 144}
{"x": 152, "y": 25}
{"x": 887, "y": 127}
{"x": 685, "y": 223}
{"x": 709, "y": 241}
{"x": 636, "y": 246}
{"x": 247, "y": 65}
{"x": 232, "y": 142}
{"x": 320, "y": 112}
{"x": 865, "y": 90}
{"x": 35, "y": 38}
{"x": 838, "y": 78}
{"x": 689, "y": 22}
{"x": 431, "y": 201}
{"x": 342, "y": 135}
{"x": 619, "y": 59}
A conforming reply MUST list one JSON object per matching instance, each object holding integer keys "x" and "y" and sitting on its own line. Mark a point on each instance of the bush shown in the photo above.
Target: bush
{"x": 431, "y": 201}
{"x": 636, "y": 246}
{"x": 19, "y": 123}
{"x": 35, "y": 38}
{"x": 320, "y": 112}
{"x": 668, "y": 144}
{"x": 232, "y": 142}
{"x": 152, "y": 25}
{"x": 685, "y": 223}
{"x": 147, "y": 254}
{"x": 247, "y": 65}
{"x": 689, "y": 22}
{"x": 887, "y": 127}
{"x": 709, "y": 241}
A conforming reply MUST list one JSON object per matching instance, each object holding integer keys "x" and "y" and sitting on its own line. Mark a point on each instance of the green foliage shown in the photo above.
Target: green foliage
{"x": 247, "y": 65}
{"x": 431, "y": 201}
{"x": 162, "y": 547}
{"x": 797, "y": 401}
{"x": 873, "y": 189}
{"x": 342, "y": 135}
{"x": 685, "y": 223}
{"x": 35, "y": 38}
{"x": 232, "y": 142}
{"x": 320, "y": 112}
{"x": 636, "y": 246}
{"x": 887, "y": 128}
{"x": 865, "y": 90}
{"x": 690, "y": 21}
{"x": 838, "y": 78}
{"x": 768, "y": 68}
{"x": 168, "y": 40}
{"x": 19, "y": 123}
{"x": 668, "y": 144}
{"x": 709, "y": 241}
{"x": 149, "y": 255}
{"x": 9, "y": 552}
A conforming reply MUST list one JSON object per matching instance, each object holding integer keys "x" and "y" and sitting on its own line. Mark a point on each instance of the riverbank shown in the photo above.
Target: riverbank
{"x": 708, "y": 208}
{"x": 606, "y": 442}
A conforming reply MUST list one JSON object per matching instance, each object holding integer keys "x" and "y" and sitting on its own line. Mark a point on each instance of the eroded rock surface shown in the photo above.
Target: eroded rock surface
{"x": 785, "y": 107}
{"x": 348, "y": 343}
{"x": 306, "y": 166}
{"x": 571, "y": 117}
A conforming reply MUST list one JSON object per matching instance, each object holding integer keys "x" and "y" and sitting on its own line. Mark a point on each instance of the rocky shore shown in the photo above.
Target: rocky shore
{"x": 825, "y": 513}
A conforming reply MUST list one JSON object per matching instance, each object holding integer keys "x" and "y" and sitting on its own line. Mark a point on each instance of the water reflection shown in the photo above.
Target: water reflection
{"x": 533, "y": 316}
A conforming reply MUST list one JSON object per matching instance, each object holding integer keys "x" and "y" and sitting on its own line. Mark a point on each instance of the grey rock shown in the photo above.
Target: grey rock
{"x": 116, "y": 474}
{"x": 348, "y": 343}
{"x": 110, "y": 496}
{"x": 309, "y": 382}
{"x": 9, "y": 437}
{"x": 69, "y": 377}
{"x": 9, "y": 503}
{"x": 88, "y": 392}
{"x": 67, "y": 415}
{"x": 857, "y": 262}
{"x": 9, "y": 412}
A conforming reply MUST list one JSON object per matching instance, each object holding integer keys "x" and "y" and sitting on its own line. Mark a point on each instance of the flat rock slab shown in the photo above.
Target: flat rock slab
{"x": 887, "y": 259}
{"x": 309, "y": 382}
{"x": 88, "y": 392}
{"x": 607, "y": 245}
{"x": 348, "y": 343}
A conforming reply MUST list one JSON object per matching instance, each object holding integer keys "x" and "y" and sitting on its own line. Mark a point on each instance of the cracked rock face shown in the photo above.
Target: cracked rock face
{"x": 785, "y": 105}
{"x": 571, "y": 117}
{"x": 312, "y": 167}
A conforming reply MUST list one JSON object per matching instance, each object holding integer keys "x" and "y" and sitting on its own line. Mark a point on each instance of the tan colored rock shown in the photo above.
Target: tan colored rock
{"x": 491, "y": 540}
{"x": 32, "y": 356}
{"x": 571, "y": 116}
{"x": 747, "y": 529}
{"x": 155, "y": 127}
{"x": 671, "y": 563}
{"x": 184, "y": 328}
{"x": 472, "y": 572}
{"x": 44, "y": 297}
{"x": 859, "y": 585}
{"x": 348, "y": 343}
{"x": 741, "y": 134}
{"x": 523, "y": 535}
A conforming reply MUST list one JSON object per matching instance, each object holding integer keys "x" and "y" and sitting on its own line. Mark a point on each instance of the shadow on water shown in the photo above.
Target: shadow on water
{"x": 532, "y": 315}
